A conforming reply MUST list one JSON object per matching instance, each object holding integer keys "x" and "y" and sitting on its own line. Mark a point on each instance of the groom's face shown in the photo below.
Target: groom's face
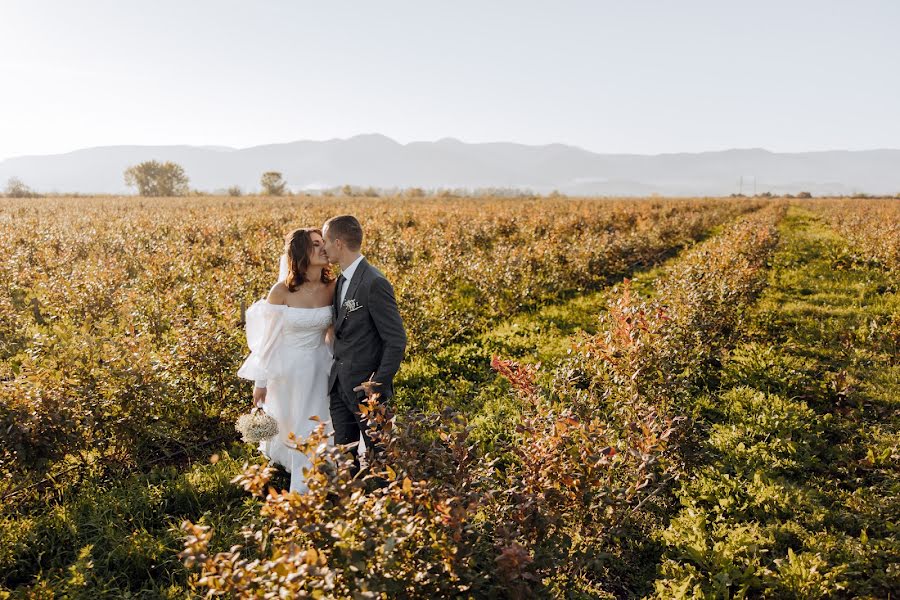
{"x": 332, "y": 246}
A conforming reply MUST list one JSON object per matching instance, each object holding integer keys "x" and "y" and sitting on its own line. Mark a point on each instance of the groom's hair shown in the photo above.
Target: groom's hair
{"x": 347, "y": 229}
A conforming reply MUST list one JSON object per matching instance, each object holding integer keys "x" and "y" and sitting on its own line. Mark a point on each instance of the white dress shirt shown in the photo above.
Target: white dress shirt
{"x": 348, "y": 275}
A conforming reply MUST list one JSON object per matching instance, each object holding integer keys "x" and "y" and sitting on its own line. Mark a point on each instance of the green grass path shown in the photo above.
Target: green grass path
{"x": 460, "y": 376}
{"x": 799, "y": 495}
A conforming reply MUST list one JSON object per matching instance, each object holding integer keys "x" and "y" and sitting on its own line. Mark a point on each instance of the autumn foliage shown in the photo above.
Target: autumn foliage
{"x": 594, "y": 444}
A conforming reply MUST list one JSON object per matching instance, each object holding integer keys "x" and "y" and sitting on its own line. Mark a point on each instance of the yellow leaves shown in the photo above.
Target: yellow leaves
{"x": 565, "y": 423}
{"x": 254, "y": 478}
{"x": 169, "y": 337}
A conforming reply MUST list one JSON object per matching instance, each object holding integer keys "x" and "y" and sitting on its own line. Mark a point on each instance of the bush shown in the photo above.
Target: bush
{"x": 587, "y": 454}
{"x": 434, "y": 517}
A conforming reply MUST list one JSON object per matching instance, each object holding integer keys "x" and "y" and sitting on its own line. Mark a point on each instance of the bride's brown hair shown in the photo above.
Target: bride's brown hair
{"x": 298, "y": 245}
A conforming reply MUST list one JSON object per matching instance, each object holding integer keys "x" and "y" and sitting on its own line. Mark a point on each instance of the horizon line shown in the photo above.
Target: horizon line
{"x": 225, "y": 148}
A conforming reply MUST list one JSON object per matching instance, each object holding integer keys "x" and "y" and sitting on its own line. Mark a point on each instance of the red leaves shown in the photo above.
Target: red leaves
{"x": 520, "y": 376}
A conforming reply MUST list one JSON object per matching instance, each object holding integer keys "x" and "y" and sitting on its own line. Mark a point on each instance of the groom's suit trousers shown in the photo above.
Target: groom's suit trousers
{"x": 369, "y": 344}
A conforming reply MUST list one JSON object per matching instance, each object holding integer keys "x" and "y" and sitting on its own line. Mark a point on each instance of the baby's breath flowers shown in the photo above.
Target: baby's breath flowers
{"x": 256, "y": 426}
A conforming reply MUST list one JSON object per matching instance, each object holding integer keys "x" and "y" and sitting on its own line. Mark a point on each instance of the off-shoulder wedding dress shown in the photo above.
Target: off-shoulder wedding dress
{"x": 289, "y": 357}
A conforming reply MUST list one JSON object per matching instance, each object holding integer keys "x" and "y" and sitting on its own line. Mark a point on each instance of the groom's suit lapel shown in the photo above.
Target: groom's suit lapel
{"x": 361, "y": 269}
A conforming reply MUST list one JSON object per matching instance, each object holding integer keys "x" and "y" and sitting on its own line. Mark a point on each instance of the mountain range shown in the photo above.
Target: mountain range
{"x": 378, "y": 161}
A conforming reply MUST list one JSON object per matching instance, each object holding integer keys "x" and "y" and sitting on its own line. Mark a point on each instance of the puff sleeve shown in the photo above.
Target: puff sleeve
{"x": 264, "y": 335}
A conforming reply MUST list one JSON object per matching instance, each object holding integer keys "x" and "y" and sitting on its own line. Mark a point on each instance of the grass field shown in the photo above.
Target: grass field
{"x": 704, "y": 402}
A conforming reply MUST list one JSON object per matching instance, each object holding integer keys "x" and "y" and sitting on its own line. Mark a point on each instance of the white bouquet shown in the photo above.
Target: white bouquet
{"x": 256, "y": 426}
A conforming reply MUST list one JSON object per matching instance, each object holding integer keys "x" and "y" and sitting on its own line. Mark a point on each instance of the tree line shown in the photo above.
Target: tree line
{"x": 167, "y": 179}
{"x": 159, "y": 179}
{"x": 153, "y": 178}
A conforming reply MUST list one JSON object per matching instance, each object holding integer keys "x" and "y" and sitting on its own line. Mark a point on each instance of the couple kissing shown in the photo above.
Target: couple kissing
{"x": 319, "y": 345}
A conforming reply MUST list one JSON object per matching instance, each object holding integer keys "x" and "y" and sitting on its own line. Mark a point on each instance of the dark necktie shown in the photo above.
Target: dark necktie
{"x": 340, "y": 288}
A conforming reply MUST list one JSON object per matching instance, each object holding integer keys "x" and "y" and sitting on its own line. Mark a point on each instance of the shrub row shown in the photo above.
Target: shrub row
{"x": 794, "y": 494}
{"x": 542, "y": 515}
{"x": 119, "y": 319}
{"x": 872, "y": 226}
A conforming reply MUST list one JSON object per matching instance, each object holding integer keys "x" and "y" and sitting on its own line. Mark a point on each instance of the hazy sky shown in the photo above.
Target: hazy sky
{"x": 617, "y": 76}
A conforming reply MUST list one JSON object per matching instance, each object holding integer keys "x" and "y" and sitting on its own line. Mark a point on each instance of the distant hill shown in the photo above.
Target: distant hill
{"x": 376, "y": 160}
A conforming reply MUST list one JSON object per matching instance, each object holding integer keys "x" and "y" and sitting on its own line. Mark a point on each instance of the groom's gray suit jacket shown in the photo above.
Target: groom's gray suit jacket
{"x": 369, "y": 341}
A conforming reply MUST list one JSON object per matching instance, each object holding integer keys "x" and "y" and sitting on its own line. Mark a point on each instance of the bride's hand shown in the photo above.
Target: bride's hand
{"x": 259, "y": 396}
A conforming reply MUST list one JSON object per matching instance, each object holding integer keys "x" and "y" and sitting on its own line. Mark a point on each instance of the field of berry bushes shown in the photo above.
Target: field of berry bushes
{"x": 602, "y": 398}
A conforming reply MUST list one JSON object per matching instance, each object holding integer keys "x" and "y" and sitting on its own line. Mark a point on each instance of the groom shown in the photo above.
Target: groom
{"x": 369, "y": 338}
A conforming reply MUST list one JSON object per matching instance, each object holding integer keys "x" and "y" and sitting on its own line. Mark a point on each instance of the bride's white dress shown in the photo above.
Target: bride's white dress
{"x": 288, "y": 356}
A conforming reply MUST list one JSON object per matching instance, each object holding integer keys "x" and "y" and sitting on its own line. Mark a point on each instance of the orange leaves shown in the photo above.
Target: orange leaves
{"x": 147, "y": 278}
{"x": 564, "y": 423}
{"x": 436, "y": 515}
{"x": 311, "y": 557}
{"x": 196, "y": 544}
{"x": 520, "y": 376}
{"x": 254, "y": 478}
{"x": 350, "y": 535}
{"x": 872, "y": 226}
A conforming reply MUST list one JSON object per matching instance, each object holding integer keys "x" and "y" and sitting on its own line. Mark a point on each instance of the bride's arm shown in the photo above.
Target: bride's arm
{"x": 264, "y": 321}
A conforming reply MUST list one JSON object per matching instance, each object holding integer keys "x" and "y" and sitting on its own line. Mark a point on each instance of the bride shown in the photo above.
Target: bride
{"x": 289, "y": 335}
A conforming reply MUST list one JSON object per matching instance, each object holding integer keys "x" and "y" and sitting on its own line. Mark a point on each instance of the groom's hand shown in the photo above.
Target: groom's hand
{"x": 259, "y": 396}
{"x": 368, "y": 387}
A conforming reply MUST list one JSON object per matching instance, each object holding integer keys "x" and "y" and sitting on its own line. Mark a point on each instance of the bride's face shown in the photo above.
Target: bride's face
{"x": 317, "y": 256}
